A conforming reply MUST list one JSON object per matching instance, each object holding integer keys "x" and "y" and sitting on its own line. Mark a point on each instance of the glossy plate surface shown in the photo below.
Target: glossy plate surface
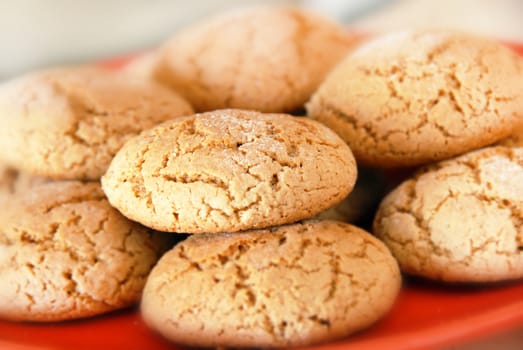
{"x": 426, "y": 315}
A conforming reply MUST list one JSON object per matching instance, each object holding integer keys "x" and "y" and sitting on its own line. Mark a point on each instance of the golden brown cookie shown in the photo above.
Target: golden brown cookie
{"x": 414, "y": 97}
{"x": 69, "y": 122}
{"x": 65, "y": 253}
{"x": 229, "y": 170}
{"x": 269, "y": 59}
{"x": 459, "y": 220}
{"x": 361, "y": 203}
{"x": 287, "y": 286}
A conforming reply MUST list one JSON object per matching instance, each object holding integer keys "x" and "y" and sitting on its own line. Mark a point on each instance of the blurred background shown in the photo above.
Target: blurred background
{"x": 37, "y": 33}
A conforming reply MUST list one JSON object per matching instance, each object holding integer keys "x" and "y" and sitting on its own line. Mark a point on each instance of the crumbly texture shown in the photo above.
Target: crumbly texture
{"x": 229, "y": 170}
{"x": 360, "y": 205}
{"x": 66, "y": 254}
{"x": 269, "y": 59}
{"x": 414, "y": 97}
{"x": 68, "y": 123}
{"x": 459, "y": 220}
{"x": 288, "y": 286}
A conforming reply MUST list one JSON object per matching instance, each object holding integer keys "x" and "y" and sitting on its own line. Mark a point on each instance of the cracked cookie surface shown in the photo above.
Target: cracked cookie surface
{"x": 65, "y": 253}
{"x": 68, "y": 123}
{"x": 414, "y": 97}
{"x": 286, "y": 286}
{"x": 269, "y": 59}
{"x": 459, "y": 220}
{"x": 229, "y": 170}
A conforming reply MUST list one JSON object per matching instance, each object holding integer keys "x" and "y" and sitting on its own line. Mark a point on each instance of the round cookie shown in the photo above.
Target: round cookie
{"x": 459, "y": 220}
{"x": 287, "y": 286}
{"x": 360, "y": 205}
{"x": 229, "y": 170}
{"x": 410, "y": 98}
{"x": 269, "y": 59}
{"x": 66, "y": 254}
{"x": 68, "y": 123}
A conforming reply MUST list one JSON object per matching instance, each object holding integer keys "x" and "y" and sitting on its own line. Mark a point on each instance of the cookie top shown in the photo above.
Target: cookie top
{"x": 288, "y": 286}
{"x": 414, "y": 97}
{"x": 66, "y": 253}
{"x": 229, "y": 170}
{"x": 269, "y": 59}
{"x": 68, "y": 123}
{"x": 459, "y": 220}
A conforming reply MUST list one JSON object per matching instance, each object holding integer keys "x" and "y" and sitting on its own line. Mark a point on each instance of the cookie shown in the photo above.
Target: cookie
{"x": 67, "y": 123}
{"x": 459, "y": 220}
{"x": 229, "y": 170}
{"x": 415, "y": 97}
{"x": 287, "y": 286}
{"x": 360, "y": 205}
{"x": 269, "y": 59}
{"x": 65, "y": 253}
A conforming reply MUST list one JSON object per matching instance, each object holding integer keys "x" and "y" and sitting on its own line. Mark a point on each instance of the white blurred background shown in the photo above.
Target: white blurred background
{"x": 37, "y": 33}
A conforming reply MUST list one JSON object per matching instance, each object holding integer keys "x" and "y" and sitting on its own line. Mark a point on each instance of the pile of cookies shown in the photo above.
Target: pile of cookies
{"x": 285, "y": 284}
{"x": 65, "y": 252}
{"x": 408, "y": 99}
{"x": 104, "y": 169}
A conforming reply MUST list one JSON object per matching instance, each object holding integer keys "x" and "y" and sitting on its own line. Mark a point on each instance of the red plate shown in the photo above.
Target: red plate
{"x": 426, "y": 315}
